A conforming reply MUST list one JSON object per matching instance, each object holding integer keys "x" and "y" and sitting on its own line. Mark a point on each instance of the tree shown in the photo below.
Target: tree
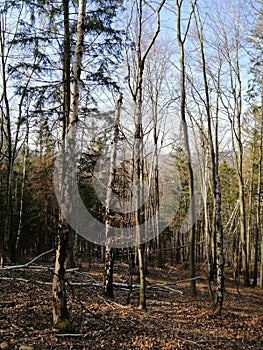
{"x": 258, "y": 203}
{"x": 137, "y": 96}
{"x": 14, "y": 121}
{"x": 212, "y": 138}
{"x": 255, "y": 92}
{"x": 109, "y": 257}
{"x": 156, "y": 71}
{"x": 59, "y": 300}
{"x": 181, "y": 41}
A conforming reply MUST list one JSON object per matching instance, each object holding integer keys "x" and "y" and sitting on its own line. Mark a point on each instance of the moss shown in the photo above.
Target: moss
{"x": 65, "y": 325}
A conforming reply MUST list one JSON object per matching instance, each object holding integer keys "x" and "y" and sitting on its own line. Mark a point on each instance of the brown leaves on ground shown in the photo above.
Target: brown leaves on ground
{"x": 172, "y": 320}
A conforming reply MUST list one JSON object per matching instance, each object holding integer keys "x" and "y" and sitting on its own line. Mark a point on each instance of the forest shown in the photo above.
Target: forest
{"x": 131, "y": 174}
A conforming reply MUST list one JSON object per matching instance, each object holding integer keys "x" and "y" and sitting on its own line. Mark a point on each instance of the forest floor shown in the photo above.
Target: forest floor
{"x": 174, "y": 318}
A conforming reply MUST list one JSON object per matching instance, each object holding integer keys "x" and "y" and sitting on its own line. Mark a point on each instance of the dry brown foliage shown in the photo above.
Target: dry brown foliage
{"x": 172, "y": 320}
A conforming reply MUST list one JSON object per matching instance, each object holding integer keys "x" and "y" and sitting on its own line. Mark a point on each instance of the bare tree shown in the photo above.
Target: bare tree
{"x": 213, "y": 144}
{"x": 233, "y": 107}
{"x": 13, "y": 122}
{"x": 137, "y": 95}
{"x": 181, "y": 38}
{"x": 59, "y": 299}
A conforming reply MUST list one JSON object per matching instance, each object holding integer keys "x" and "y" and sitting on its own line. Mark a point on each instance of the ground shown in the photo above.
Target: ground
{"x": 174, "y": 319}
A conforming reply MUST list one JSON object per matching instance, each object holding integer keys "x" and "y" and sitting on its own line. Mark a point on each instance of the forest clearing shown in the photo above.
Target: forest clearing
{"x": 174, "y": 319}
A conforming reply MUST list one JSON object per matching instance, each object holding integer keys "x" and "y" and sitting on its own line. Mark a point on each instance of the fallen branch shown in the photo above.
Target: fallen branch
{"x": 185, "y": 280}
{"x": 93, "y": 283}
{"x": 152, "y": 286}
{"x": 28, "y": 263}
{"x": 20, "y": 279}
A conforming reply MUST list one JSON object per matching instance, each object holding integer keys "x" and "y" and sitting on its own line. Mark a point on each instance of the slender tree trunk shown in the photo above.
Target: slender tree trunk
{"x": 261, "y": 263}
{"x": 258, "y": 218}
{"x": 219, "y": 237}
{"x": 208, "y": 233}
{"x": 243, "y": 232}
{"x": 6, "y": 120}
{"x": 109, "y": 254}
{"x": 250, "y": 200}
{"x": 71, "y": 253}
{"x": 214, "y": 155}
{"x": 59, "y": 297}
{"x": 139, "y": 212}
{"x": 138, "y": 135}
{"x": 261, "y": 155}
{"x": 259, "y": 191}
{"x": 181, "y": 42}
{"x": 23, "y": 185}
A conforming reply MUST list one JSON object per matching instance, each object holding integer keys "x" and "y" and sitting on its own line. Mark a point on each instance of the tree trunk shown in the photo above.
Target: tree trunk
{"x": 243, "y": 232}
{"x": 181, "y": 42}
{"x": 258, "y": 217}
{"x": 259, "y": 187}
{"x": 142, "y": 299}
{"x": 214, "y": 156}
{"x": 109, "y": 256}
{"x": 220, "y": 261}
{"x": 23, "y": 185}
{"x": 59, "y": 297}
{"x": 137, "y": 92}
{"x": 8, "y": 135}
{"x": 66, "y": 99}
{"x": 59, "y": 301}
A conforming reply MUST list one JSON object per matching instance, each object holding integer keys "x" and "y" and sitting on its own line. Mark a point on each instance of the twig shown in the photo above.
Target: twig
{"x": 68, "y": 335}
{"x": 163, "y": 286}
{"x": 188, "y": 340}
{"x": 109, "y": 302}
